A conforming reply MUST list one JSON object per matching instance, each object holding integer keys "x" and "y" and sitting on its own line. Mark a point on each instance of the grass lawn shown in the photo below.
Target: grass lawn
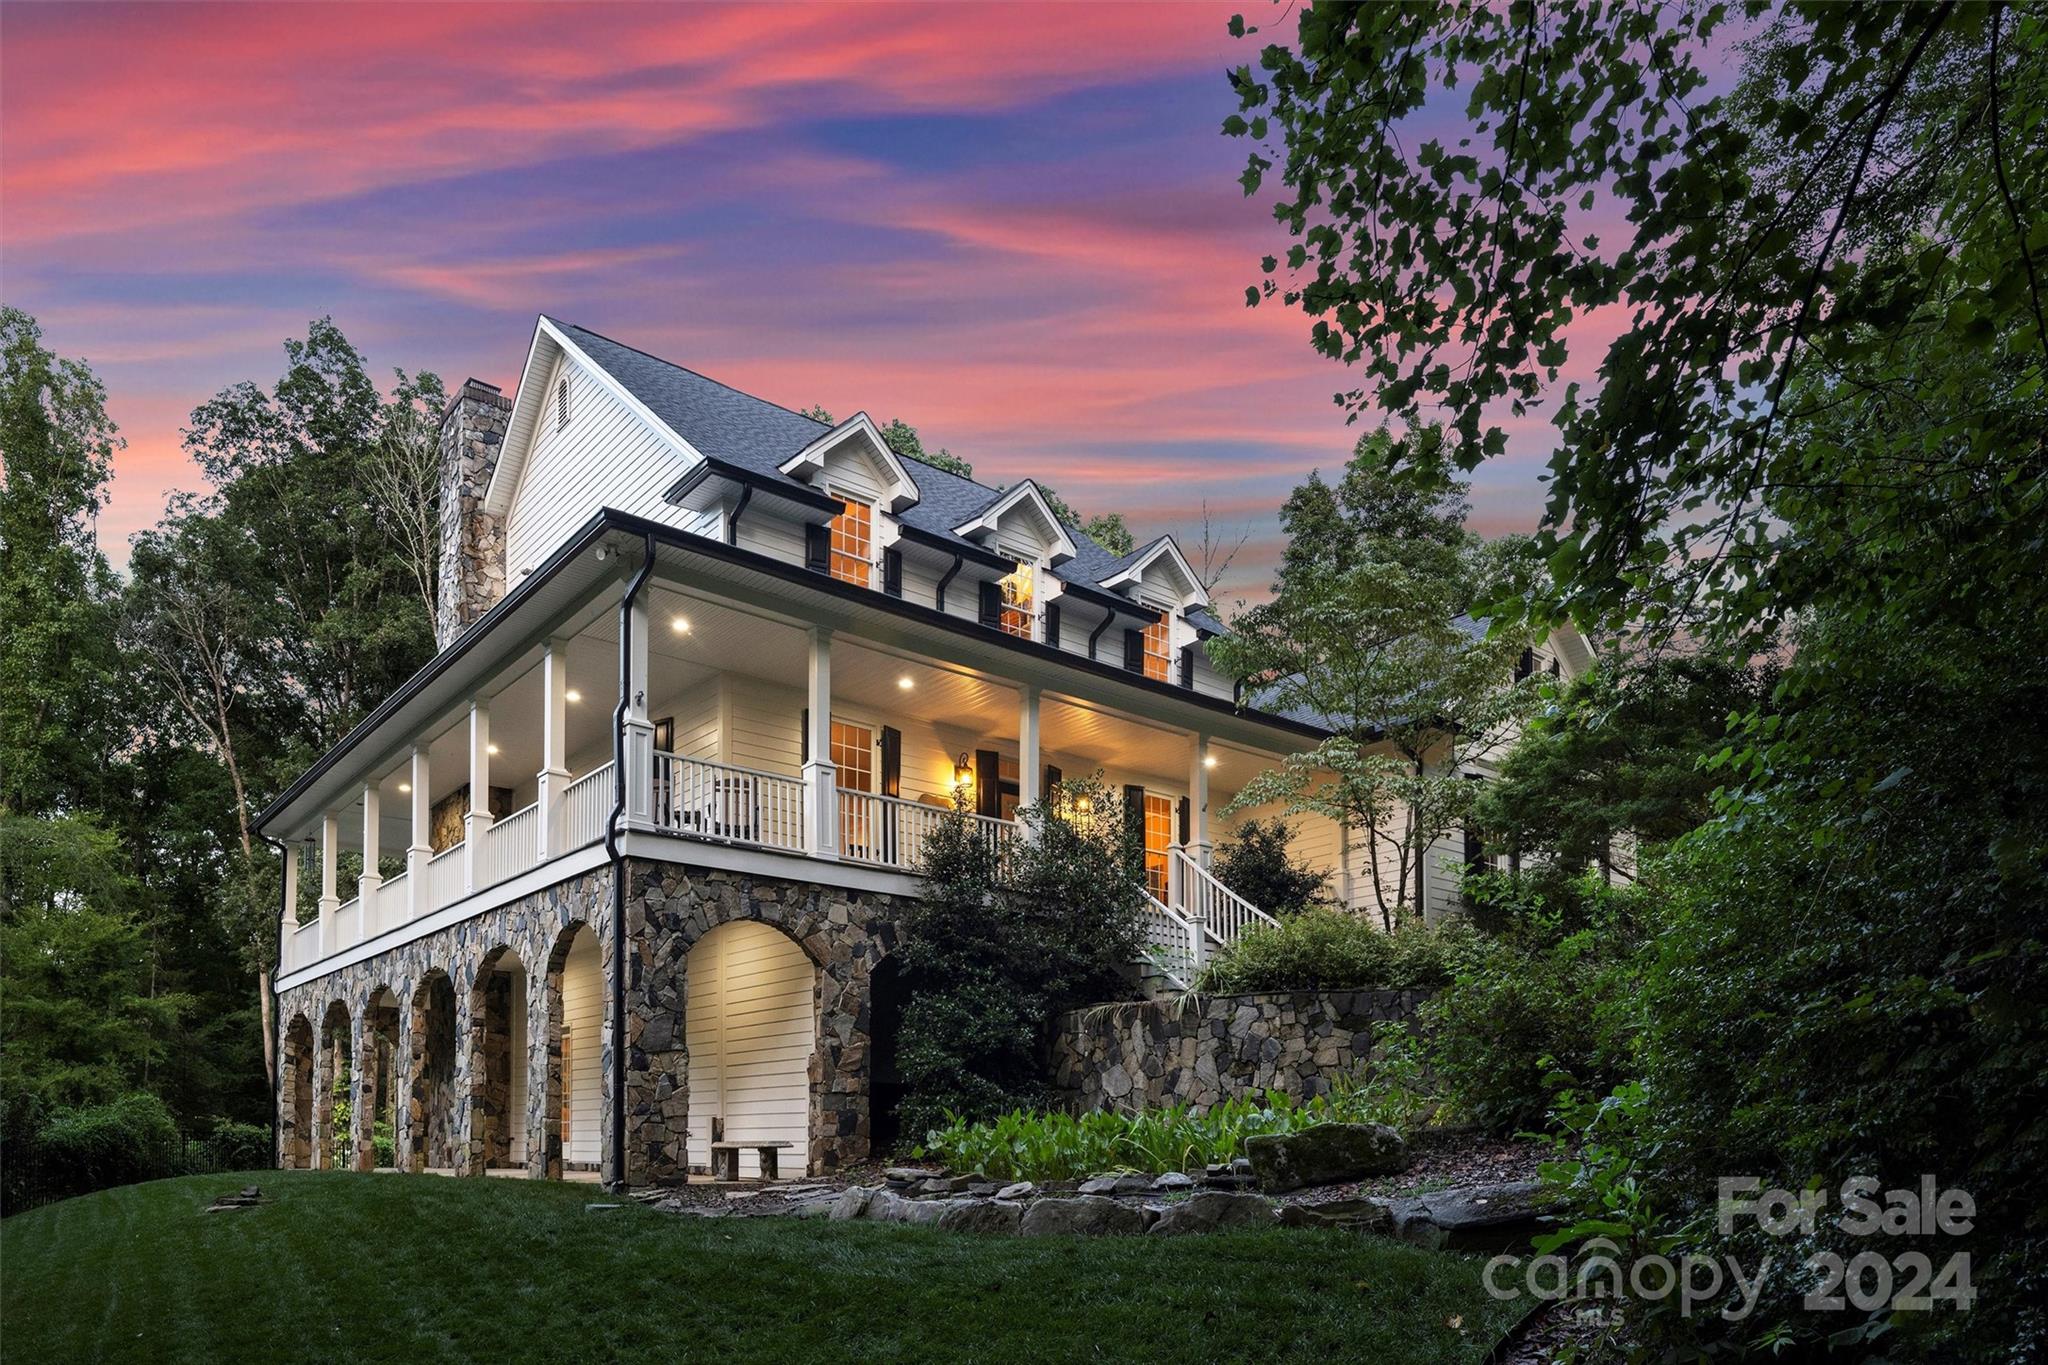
{"x": 382, "y": 1267}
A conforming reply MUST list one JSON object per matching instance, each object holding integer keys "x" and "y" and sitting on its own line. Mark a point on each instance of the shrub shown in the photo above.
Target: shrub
{"x": 233, "y": 1146}
{"x": 989, "y": 961}
{"x": 130, "y": 1138}
{"x": 1023, "y": 1145}
{"x": 1328, "y": 949}
{"x": 1256, "y": 865}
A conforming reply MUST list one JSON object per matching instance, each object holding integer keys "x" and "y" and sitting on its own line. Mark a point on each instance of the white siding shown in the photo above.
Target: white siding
{"x": 765, "y": 730}
{"x": 606, "y": 457}
{"x": 750, "y": 1029}
{"x": 582, "y": 1043}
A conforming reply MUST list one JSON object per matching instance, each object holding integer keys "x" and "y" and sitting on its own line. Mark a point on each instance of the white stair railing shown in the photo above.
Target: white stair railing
{"x": 1170, "y": 941}
{"x": 1224, "y": 915}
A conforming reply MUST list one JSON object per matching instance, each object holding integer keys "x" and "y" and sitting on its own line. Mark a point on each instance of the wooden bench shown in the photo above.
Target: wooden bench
{"x": 725, "y": 1158}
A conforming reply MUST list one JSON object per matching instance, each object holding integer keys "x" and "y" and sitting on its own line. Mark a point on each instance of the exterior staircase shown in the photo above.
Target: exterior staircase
{"x": 1199, "y": 915}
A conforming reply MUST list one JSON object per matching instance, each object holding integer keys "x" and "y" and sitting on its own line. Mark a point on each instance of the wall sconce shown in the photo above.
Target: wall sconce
{"x": 963, "y": 773}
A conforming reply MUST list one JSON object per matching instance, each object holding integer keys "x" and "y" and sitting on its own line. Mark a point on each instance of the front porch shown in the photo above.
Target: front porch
{"x": 810, "y": 752}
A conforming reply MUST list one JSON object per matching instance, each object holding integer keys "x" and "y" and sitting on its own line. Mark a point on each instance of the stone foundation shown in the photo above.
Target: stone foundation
{"x": 1200, "y": 1050}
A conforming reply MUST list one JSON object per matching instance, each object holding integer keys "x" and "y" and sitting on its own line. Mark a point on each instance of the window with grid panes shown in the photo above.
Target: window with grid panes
{"x": 1017, "y": 589}
{"x": 853, "y": 542}
{"x": 1157, "y": 649}
{"x": 1158, "y": 836}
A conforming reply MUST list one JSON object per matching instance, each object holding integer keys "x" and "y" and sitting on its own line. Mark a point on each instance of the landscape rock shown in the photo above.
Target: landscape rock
{"x": 852, "y": 1203}
{"x": 1325, "y": 1155}
{"x": 1023, "y": 1189}
{"x": 1171, "y": 1181}
{"x": 1116, "y": 1184}
{"x": 1212, "y": 1211}
{"x": 1087, "y": 1215}
{"x": 988, "y": 1216}
{"x": 907, "y": 1175}
{"x": 1471, "y": 1218}
{"x": 1355, "y": 1215}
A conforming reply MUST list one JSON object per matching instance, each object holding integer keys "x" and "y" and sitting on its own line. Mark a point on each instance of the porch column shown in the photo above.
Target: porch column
{"x": 1198, "y": 846}
{"x": 554, "y": 745}
{"x": 330, "y": 903}
{"x": 372, "y": 884}
{"x": 421, "y": 849}
{"x": 477, "y": 824}
{"x": 639, "y": 729}
{"x": 821, "y": 779}
{"x": 1030, "y": 773}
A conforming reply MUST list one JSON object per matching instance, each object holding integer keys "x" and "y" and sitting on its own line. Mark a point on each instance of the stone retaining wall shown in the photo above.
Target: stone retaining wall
{"x": 1200, "y": 1050}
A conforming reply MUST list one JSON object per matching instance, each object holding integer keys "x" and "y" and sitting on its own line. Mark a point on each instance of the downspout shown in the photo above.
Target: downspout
{"x": 1096, "y": 634}
{"x": 739, "y": 509}
{"x": 274, "y": 1043}
{"x": 948, "y": 578}
{"x": 618, "y": 865}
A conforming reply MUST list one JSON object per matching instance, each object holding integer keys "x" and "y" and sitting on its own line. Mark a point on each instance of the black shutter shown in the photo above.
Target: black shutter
{"x": 892, "y": 761}
{"x": 1555, "y": 671}
{"x": 988, "y": 782}
{"x": 1052, "y": 779}
{"x": 1134, "y": 650}
{"x": 1525, "y": 665}
{"x": 1187, "y": 666}
{"x": 1052, "y": 623}
{"x": 818, "y": 547}
{"x": 1475, "y": 849}
{"x": 991, "y": 604}
{"x": 1186, "y": 820}
{"x": 892, "y": 572}
{"x": 803, "y": 736}
{"x": 1134, "y": 824}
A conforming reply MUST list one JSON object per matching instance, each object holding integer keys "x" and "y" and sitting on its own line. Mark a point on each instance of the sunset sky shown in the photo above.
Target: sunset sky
{"x": 1017, "y": 228}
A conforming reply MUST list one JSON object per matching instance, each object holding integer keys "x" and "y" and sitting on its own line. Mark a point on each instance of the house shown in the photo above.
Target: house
{"x": 622, "y": 864}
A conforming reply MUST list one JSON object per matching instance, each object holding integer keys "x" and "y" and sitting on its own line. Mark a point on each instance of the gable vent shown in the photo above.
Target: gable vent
{"x": 561, "y": 403}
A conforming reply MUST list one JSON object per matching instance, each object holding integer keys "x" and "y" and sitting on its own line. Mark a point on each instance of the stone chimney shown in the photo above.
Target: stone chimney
{"x": 472, "y": 541}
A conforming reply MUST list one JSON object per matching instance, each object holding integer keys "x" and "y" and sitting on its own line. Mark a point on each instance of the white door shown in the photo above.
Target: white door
{"x": 750, "y": 1027}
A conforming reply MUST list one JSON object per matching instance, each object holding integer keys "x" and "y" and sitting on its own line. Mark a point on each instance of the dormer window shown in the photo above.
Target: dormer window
{"x": 1158, "y": 648}
{"x": 853, "y": 542}
{"x": 1018, "y": 590}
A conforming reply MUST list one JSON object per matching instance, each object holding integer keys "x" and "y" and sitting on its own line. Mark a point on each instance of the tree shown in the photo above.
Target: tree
{"x": 402, "y": 471}
{"x": 1216, "y": 551}
{"x": 1367, "y": 629}
{"x": 1106, "y": 529}
{"x": 902, "y": 439}
{"x": 57, "y": 665}
{"x": 1618, "y": 753}
{"x": 1258, "y": 864}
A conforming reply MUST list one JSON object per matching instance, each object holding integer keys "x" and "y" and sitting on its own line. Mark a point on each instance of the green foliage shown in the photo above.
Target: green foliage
{"x": 1026, "y": 1145}
{"x": 989, "y": 960}
{"x": 1617, "y": 755}
{"x": 1257, "y": 864}
{"x": 1326, "y": 949}
{"x": 1363, "y": 630}
{"x": 66, "y": 1151}
{"x": 1107, "y": 529}
{"x": 902, "y": 439}
{"x": 233, "y": 1146}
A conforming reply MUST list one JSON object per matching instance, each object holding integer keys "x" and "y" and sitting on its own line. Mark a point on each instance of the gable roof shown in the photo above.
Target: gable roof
{"x": 757, "y": 437}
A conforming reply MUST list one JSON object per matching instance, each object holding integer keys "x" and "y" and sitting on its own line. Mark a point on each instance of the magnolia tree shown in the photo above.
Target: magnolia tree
{"x": 1367, "y": 632}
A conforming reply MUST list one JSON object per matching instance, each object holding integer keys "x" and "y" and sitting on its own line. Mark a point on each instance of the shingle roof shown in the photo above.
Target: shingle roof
{"x": 759, "y": 436}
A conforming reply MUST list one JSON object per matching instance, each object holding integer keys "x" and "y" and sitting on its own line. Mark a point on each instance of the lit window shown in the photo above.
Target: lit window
{"x": 1017, "y": 597}
{"x": 1158, "y": 835}
{"x": 852, "y": 539}
{"x": 1156, "y": 636}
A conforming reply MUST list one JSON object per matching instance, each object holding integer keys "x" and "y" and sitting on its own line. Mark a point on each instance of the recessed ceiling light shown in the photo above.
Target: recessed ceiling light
{"x": 1208, "y": 760}
{"x": 490, "y": 748}
{"x": 404, "y": 787}
{"x": 905, "y": 683}
{"x": 681, "y": 625}
{"x": 574, "y": 695}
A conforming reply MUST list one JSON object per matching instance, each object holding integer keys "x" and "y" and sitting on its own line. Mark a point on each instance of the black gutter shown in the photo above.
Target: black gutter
{"x": 587, "y": 535}
{"x": 740, "y": 474}
{"x": 941, "y": 594}
{"x": 953, "y": 546}
{"x": 611, "y": 848}
{"x": 732, "y": 523}
{"x": 276, "y": 1045}
{"x": 1096, "y": 634}
{"x": 1108, "y": 600}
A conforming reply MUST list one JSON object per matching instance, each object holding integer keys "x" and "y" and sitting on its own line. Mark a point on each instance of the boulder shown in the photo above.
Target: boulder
{"x": 1088, "y": 1215}
{"x": 1171, "y": 1181}
{"x": 1023, "y": 1189}
{"x": 1212, "y": 1211}
{"x": 1355, "y": 1215}
{"x": 1499, "y": 1217}
{"x": 852, "y": 1202}
{"x": 990, "y": 1216}
{"x": 1325, "y": 1154}
{"x": 1116, "y": 1184}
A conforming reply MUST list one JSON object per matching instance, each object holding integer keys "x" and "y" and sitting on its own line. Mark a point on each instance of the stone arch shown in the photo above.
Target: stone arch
{"x": 882, "y": 1022}
{"x": 378, "y": 1058}
{"x": 497, "y": 1062}
{"x": 295, "y": 1096}
{"x": 750, "y": 1033}
{"x": 571, "y": 1122}
{"x": 431, "y": 1096}
{"x": 334, "y": 1079}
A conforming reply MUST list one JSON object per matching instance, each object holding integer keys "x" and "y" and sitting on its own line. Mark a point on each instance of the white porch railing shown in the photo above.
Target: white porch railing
{"x": 304, "y": 946}
{"x": 892, "y": 832}
{"x": 511, "y": 845}
{"x": 709, "y": 800}
{"x": 348, "y": 923}
{"x": 1170, "y": 940}
{"x": 1223, "y": 914}
{"x": 586, "y": 805}
{"x": 393, "y": 901}
{"x": 445, "y": 884}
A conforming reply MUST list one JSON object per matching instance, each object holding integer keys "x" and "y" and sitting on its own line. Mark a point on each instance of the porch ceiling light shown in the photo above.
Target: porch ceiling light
{"x": 680, "y": 625}
{"x": 490, "y": 748}
{"x": 573, "y": 695}
{"x": 905, "y": 683}
{"x": 404, "y": 787}
{"x": 1208, "y": 760}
